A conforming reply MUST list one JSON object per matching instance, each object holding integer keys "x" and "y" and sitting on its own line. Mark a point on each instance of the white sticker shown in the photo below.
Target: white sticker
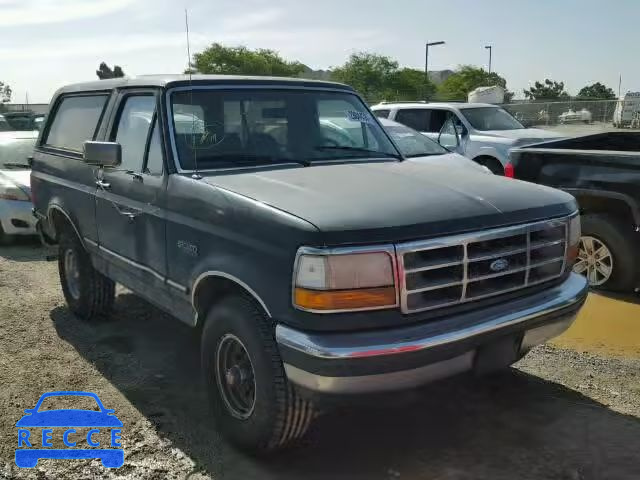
{"x": 355, "y": 116}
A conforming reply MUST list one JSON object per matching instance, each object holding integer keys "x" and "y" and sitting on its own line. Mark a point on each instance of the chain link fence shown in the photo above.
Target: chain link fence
{"x": 562, "y": 113}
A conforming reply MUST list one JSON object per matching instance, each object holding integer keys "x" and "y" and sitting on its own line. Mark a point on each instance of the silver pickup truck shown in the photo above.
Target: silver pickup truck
{"x": 482, "y": 132}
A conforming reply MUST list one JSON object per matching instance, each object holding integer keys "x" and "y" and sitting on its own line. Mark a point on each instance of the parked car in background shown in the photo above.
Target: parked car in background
{"x": 23, "y": 121}
{"x": 482, "y": 132}
{"x": 418, "y": 148}
{"x": 4, "y": 125}
{"x": 315, "y": 262}
{"x": 571, "y": 116}
{"x": 16, "y": 216}
{"x": 603, "y": 172}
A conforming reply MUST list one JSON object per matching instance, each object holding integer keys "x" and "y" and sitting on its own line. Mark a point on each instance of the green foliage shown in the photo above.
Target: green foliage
{"x": 549, "y": 90}
{"x": 104, "y": 72}
{"x": 596, "y": 91}
{"x": 378, "y": 77}
{"x": 5, "y": 93}
{"x": 466, "y": 79}
{"x": 218, "y": 59}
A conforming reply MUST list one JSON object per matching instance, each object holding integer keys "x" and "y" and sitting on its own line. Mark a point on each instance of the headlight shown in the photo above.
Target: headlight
{"x": 575, "y": 232}
{"x": 344, "y": 281}
{"x": 10, "y": 191}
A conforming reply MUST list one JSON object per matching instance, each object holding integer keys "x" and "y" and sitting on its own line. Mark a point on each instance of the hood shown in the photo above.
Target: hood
{"x": 395, "y": 201}
{"x": 533, "y": 134}
{"x": 452, "y": 160}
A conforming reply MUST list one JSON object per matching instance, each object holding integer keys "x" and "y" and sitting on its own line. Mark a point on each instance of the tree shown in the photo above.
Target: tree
{"x": 549, "y": 90}
{"x": 378, "y": 77}
{"x": 369, "y": 73}
{"x": 466, "y": 79}
{"x": 242, "y": 61}
{"x": 5, "y": 93}
{"x": 409, "y": 84}
{"x": 104, "y": 72}
{"x": 596, "y": 91}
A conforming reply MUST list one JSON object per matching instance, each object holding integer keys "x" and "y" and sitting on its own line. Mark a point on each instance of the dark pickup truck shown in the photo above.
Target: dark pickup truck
{"x": 602, "y": 172}
{"x": 312, "y": 265}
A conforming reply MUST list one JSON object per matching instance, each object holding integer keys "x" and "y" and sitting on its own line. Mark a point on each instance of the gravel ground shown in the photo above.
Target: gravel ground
{"x": 558, "y": 414}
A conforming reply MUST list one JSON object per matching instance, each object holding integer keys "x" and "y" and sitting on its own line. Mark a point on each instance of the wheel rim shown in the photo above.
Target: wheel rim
{"x": 235, "y": 377}
{"x": 595, "y": 261}
{"x": 72, "y": 273}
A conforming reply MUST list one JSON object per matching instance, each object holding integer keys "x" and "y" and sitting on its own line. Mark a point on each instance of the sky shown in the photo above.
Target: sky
{"x": 45, "y": 44}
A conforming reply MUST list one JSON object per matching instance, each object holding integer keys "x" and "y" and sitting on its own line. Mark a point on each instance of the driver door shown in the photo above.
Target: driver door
{"x": 130, "y": 198}
{"x": 450, "y": 134}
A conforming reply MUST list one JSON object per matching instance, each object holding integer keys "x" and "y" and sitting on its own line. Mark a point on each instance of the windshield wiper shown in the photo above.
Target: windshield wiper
{"x": 244, "y": 159}
{"x": 16, "y": 165}
{"x": 358, "y": 149}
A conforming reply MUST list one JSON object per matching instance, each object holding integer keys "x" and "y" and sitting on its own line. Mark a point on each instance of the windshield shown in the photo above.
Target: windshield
{"x": 490, "y": 118}
{"x": 14, "y": 152}
{"x": 4, "y": 125}
{"x": 232, "y": 128}
{"x": 412, "y": 143}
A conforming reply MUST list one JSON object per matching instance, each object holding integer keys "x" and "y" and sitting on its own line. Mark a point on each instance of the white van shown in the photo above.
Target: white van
{"x": 627, "y": 108}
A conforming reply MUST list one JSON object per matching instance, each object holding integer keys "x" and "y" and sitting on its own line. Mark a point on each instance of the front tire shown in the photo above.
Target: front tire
{"x": 254, "y": 406}
{"x": 606, "y": 256}
{"x": 88, "y": 293}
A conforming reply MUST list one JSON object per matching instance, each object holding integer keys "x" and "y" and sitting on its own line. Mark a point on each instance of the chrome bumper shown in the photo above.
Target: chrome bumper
{"x": 347, "y": 362}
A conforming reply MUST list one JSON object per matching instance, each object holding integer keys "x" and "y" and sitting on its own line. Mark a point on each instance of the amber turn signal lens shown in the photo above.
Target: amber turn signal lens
{"x": 572, "y": 255}
{"x": 345, "y": 299}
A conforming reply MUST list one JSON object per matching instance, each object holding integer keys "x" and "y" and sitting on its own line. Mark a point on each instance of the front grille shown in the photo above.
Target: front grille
{"x": 463, "y": 268}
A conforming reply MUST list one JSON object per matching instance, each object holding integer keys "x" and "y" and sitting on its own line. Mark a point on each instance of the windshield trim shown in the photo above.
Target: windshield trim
{"x": 268, "y": 86}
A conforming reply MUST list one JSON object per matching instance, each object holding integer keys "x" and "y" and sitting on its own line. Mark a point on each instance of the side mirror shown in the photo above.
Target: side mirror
{"x": 104, "y": 154}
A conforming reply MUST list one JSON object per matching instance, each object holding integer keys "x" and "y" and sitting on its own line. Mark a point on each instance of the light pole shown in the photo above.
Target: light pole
{"x": 489, "y": 47}
{"x": 426, "y": 58}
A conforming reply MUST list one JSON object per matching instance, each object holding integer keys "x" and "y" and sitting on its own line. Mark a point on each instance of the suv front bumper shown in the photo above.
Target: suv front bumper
{"x": 406, "y": 357}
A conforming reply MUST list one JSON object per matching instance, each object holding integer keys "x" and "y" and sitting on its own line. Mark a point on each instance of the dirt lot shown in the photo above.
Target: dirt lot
{"x": 559, "y": 414}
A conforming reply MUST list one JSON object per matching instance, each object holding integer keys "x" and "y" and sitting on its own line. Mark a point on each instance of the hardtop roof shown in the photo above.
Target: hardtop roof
{"x": 167, "y": 81}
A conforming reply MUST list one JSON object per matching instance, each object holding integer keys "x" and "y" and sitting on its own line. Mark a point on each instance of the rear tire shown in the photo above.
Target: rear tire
{"x": 613, "y": 235}
{"x": 274, "y": 415}
{"x": 88, "y": 293}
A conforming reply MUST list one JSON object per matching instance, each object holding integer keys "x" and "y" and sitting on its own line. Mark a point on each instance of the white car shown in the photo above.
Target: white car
{"x": 418, "y": 148}
{"x": 480, "y": 131}
{"x": 570, "y": 116}
{"x": 16, "y": 217}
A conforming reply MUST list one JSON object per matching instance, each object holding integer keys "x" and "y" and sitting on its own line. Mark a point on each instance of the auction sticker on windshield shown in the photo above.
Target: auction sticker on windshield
{"x": 49, "y": 432}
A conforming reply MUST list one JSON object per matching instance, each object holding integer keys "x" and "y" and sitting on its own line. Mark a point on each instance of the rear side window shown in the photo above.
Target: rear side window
{"x": 75, "y": 121}
{"x": 415, "y": 118}
{"x": 382, "y": 113}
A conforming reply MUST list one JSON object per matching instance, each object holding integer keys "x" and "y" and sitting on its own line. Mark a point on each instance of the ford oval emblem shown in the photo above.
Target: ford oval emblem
{"x": 499, "y": 265}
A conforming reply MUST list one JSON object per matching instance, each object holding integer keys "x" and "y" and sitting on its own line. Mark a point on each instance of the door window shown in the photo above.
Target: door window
{"x": 154, "y": 165}
{"x": 438, "y": 117}
{"x": 416, "y": 118}
{"x": 133, "y": 130}
{"x": 75, "y": 121}
{"x": 382, "y": 113}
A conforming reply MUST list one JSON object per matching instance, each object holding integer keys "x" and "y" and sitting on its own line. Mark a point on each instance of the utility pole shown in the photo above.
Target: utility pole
{"x": 489, "y": 47}
{"x": 426, "y": 58}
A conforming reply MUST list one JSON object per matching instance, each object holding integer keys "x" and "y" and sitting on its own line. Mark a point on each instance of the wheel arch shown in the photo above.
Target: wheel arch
{"x": 212, "y": 285}
{"x": 616, "y": 204}
{"x": 57, "y": 218}
{"x": 489, "y": 161}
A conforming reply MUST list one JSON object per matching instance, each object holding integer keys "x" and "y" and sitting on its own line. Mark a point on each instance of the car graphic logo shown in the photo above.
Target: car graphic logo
{"x": 499, "y": 265}
{"x": 34, "y": 445}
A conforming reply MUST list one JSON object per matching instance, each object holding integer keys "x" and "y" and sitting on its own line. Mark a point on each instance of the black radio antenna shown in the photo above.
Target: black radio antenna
{"x": 196, "y": 175}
